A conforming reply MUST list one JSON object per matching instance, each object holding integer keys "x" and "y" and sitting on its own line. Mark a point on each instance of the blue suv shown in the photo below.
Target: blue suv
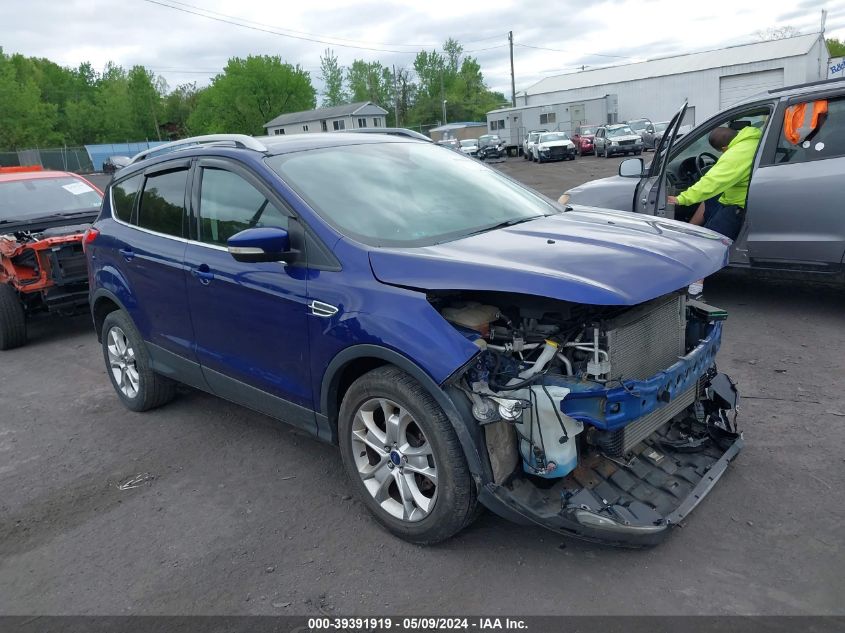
{"x": 462, "y": 338}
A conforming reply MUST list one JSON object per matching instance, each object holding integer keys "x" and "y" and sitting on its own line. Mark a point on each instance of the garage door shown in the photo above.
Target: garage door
{"x": 735, "y": 88}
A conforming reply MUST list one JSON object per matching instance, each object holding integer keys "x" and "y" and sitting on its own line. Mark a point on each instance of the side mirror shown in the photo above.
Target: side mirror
{"x": 265, "y": 244}
{"x": 631, "y": 168}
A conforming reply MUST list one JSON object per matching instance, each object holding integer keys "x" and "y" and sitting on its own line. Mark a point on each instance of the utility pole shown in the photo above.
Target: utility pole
{"x": 395, "y": 98}
{"x": 442, "y": 96}
{"x": 513, "y": 81}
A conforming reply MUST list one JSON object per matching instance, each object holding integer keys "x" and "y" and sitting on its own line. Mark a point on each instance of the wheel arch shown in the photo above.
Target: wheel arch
{"x": 103, "y": 303}
{"x": 355, "y": 361}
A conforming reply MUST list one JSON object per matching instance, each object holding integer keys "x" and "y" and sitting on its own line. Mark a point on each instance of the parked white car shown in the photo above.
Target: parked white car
{"x": 529, "y": 142}
{"x": 554, "y": 146}
{"x": 469, "y": 146}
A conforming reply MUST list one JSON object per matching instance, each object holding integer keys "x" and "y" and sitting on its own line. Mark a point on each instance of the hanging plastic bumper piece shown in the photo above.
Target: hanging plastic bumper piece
{"x": 635, "y": 500}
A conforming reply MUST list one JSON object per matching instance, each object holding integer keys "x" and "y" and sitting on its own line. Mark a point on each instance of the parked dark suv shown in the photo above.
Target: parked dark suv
{"x": 462, "y": 338}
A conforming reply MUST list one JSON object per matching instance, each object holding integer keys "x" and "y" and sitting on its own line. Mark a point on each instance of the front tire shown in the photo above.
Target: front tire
{"x": 404, "y": 458}
{"x": 129, "y": 366}
{"x": 12, "y": 319}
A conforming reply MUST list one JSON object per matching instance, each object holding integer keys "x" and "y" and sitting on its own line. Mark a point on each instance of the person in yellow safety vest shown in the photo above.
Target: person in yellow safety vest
{"x": 723, "y": 190}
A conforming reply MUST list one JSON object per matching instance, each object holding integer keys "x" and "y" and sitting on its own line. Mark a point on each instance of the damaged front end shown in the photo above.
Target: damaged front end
{"x": 47, "y": 268}
{"x": 607, "y": 423}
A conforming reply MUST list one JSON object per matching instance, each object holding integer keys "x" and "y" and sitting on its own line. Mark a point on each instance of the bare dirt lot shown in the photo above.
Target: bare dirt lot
{"x": 242, "y": 515}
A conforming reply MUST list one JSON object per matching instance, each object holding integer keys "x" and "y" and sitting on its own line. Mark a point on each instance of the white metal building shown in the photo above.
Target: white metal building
{"x": 709, "y": 81}
{"x": 350, "y": 116}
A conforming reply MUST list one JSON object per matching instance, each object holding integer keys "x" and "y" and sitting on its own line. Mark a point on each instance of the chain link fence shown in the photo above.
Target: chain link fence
{"x": 75, "y": 159}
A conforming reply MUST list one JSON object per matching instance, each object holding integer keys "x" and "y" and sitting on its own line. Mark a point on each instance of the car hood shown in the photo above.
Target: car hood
{"x": 558, "y": 144}
{"x": 613, "y": 192}
{"x": 586, "y": 255}
{"x": 626, "y": 137}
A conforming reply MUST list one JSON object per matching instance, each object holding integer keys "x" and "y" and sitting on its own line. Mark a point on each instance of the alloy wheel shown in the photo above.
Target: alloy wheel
{"x": 122, "y": 362}
{"x": 394, "y": 459}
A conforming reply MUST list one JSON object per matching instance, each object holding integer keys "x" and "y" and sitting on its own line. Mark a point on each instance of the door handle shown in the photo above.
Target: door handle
{"x": 127, "y": 253}
{"x": 203, "y": 273}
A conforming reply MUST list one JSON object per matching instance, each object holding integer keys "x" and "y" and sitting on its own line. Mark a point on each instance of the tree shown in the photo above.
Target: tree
{"x": 836, "y": 47}
{"x": 249, "y": 93}
{"x": 777, "y": 33}
{"x": 178, "y": 106}
{"x": 25, "y": 120}
{"x": 370, "y": 81}
{"x": 332, "y": 75}
{"x": 145, "y": 102}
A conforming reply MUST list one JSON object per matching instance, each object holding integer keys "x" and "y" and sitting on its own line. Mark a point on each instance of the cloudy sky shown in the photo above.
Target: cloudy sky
{"x": 190, "y": 40}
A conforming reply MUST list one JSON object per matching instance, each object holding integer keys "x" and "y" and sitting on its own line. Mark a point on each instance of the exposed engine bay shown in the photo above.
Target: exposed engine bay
{"x": 47, "y": 267}
{"x": 596, "y": 416}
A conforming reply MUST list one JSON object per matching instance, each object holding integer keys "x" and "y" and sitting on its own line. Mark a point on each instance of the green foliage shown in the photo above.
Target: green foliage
{"x": 332, "y": 75}
{"x": 370, "y": 81}
{"x": 455, "y": 78}
{"x": 249, "y": 93}
{"x": 25, "y": 119}
{"x": 836, "y": 47}
{"x": 43, "y": 104}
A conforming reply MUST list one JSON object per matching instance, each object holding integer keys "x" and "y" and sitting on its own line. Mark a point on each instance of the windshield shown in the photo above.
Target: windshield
{"x": 405, "y": 194}
{"x": 638, "y": 125}
{"x": 469, "y": 143}
{"x": 533, "y": 137}
{"x": 661, "y": 127}
{"x": 22, "y": 200}
{"x": 587, "y": 130}
{"x": 557, "y": 136}
{"x": 620, "y": 131}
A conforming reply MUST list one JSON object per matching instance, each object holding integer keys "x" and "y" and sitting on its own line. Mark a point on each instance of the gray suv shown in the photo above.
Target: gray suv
{"x": 795, "y": 216}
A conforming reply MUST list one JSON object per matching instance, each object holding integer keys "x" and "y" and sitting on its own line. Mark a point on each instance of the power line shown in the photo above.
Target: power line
{"x": 318, "y": 35}
{"x": 272, "y": 31}
{"x": 558, "y": 50}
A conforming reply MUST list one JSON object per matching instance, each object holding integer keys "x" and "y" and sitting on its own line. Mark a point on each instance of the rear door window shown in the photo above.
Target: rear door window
{"x": 123, "y": 197}
{"x": 825, "y": 139}
{"x": 162, "y": 205}
{"x": 229, "y": 204}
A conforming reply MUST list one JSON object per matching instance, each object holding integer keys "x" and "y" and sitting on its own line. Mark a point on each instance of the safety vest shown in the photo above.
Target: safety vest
{"x": 800, "y": 121}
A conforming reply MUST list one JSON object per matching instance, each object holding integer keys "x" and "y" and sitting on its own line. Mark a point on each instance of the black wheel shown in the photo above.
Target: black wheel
{"x": 637, "y": 153}
{"x": 129, "y": 368}
{"x": 606, "y": 152}
{"x": 12, "y": 319}
{"x": 403, "y": 457}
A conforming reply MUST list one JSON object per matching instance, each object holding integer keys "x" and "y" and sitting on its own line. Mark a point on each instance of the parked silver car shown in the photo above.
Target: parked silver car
{"x": 617, "y": 139}
{"x": 794, "y": 220}
{"x": 653, "y": 133}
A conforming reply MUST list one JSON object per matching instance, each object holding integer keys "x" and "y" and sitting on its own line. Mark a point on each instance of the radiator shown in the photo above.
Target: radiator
{"x": 641, "y": 342}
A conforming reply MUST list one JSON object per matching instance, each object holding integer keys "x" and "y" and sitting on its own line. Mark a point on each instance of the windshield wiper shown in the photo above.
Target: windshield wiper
{"x": 505, "y": 224}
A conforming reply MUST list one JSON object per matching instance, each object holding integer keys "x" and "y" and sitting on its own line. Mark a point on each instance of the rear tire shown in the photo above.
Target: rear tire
{"x": 129, "y": 366}
{"x": 12, "y": 319}
{"x": 387, "y": 409}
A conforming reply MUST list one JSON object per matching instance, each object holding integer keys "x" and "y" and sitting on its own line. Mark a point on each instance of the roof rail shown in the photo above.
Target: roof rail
{"x": 238, "y": 140}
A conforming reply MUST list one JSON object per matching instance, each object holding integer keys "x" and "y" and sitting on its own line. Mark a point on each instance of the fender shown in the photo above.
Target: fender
{"x": 102, "y": 293}
{"x": 469, "y": 434}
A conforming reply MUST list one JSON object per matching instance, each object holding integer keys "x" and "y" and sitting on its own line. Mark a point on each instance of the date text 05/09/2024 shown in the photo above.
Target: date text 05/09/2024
{"x": 416, "y": 624}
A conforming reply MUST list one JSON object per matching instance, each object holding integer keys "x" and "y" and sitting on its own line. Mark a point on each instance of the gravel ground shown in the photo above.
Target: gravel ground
{"x": 242, "y": 515}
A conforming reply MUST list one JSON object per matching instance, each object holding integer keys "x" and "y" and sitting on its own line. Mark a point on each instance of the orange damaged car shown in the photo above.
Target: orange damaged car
{"x": 43, "y": 219}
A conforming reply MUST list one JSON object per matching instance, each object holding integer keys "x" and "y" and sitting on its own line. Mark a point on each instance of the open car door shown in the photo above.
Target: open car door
{"x": 650, "y": 196}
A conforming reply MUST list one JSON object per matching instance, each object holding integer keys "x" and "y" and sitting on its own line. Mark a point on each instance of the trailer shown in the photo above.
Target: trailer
{"x": 513, "y": 124}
